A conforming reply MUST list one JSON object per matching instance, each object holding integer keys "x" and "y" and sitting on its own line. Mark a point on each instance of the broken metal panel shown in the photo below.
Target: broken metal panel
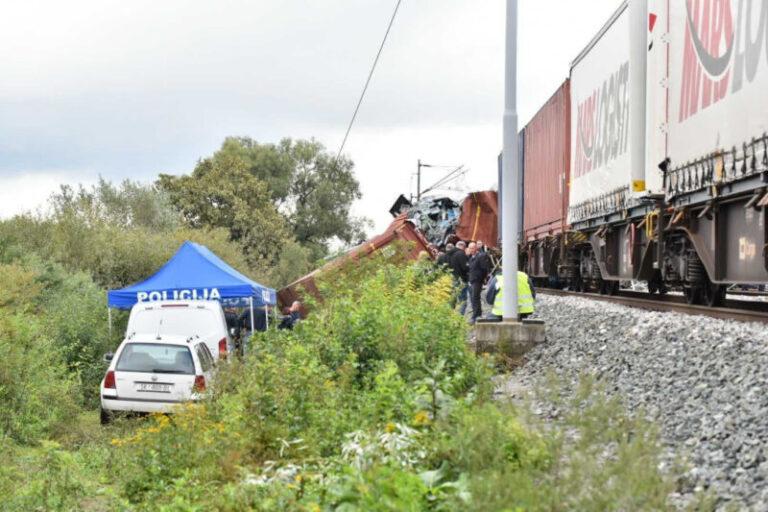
{"x": 401, "y": 229}
{"x": 401, "y": 205}
{"x": 437, "y": 218}
{"x": 479, "y": 218}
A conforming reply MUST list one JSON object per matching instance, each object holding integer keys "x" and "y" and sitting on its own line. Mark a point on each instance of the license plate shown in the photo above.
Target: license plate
{"x": 154, "y": 387}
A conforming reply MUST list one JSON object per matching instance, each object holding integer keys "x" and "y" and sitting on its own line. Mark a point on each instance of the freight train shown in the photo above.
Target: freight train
{"x": 650, "y": 162}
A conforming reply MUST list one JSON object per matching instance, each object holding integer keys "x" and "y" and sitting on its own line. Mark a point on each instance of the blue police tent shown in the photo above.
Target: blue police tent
{"x": 195, "y": 273}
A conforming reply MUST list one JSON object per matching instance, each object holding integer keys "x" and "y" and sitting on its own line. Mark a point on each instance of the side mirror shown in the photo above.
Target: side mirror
{"x": 233, "y": 331}
{"x": 108, "y": 357}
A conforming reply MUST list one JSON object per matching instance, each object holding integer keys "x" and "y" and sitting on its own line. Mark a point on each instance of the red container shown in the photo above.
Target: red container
{"x": 479, "y": 218}
{"x": 399, "y": 230}
{"x": 547, "y": 167}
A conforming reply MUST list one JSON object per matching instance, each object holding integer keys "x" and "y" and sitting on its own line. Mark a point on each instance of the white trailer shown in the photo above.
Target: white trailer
{"x": 718, "y": 92}
{"x": 608, "y": 118}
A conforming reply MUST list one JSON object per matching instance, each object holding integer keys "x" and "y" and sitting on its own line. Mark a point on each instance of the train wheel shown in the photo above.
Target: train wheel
{"x": 613, "y": 287}
{"x": 652, "y": 287}
{"x": 713, "y": 294}
{"x": 692, "y": 295}
{"x": 602, "y": 287}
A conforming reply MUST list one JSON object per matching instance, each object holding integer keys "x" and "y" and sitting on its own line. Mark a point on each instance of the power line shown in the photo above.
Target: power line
{"x": 368, "y": 81}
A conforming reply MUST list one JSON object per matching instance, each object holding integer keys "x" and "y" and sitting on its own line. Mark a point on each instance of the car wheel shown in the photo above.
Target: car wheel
{"x": 106, "y": 417}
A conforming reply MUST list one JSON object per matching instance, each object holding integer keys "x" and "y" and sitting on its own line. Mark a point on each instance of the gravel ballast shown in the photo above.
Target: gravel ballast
{"x": 705, "y": 382}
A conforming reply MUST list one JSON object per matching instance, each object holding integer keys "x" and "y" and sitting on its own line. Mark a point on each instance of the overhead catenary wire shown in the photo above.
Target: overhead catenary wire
{"x": 367, "y": 81}
{"x": 453, "y": 175}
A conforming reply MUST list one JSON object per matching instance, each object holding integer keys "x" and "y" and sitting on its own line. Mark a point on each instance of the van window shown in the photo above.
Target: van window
{"x": 204, "y": 355}
{"x": 185, "y": 321}
{"x": 156, "y": 358}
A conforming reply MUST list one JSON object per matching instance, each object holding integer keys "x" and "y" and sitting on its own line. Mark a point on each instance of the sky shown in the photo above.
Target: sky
{"x": 134, "y": 89}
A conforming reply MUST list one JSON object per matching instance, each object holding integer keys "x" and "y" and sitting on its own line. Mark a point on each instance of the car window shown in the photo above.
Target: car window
{"x": 204, "y": 355}
{"x": 208, "y": 354}
{"x": 156, "y": 358}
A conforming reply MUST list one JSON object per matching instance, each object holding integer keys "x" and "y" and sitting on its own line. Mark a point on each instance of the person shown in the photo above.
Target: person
{"x": 450, "y": 250}
{"x": 230, "y": 315}
{"x": 259, "y": 319}
{"x": 479, "y": 267}
{"x": 460, "y": 267}
{"x": 526, "y": 296}
{"x": 295, "y": 312}
{"x": 444, "y": 259}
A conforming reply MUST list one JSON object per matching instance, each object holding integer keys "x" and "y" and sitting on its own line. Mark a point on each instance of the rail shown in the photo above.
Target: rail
{"x": 737, "y": 310}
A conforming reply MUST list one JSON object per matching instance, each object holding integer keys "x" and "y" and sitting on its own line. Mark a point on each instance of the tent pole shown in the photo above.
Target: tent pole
{"x": 250, "y": 300}
{"x": 109, "y": 319}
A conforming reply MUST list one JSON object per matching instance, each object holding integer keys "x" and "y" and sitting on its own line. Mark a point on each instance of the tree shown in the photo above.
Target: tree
{"x": 222, "y": 193}
{"x": 306, "y": 184}
{"x": 131, "y": 205}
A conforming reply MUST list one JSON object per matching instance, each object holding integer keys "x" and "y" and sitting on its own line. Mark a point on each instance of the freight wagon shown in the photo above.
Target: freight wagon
{"x": 400, "y": 230}
{"x": 668, "y": 154}
{"x": 546, "y": 172}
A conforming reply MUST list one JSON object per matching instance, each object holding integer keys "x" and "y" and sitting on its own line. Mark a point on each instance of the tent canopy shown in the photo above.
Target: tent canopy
{"x": 194, "y": 272}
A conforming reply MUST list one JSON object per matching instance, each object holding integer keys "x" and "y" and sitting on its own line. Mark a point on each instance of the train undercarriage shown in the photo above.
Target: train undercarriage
{"x": 710, "y": 239}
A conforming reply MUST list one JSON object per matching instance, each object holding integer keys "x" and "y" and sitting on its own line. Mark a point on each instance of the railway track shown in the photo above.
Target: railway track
{"x": 738, "y": 310}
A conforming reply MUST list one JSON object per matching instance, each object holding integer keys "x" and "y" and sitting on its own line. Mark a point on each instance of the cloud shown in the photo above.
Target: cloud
{"x": 29, "y": 192}
{"x": 132, "y": 89}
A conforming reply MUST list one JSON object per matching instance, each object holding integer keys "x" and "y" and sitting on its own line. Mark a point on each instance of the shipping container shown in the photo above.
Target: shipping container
{"x": 609, "y": 82}
{"x": 600, "y": 98}
{"x": 546, "y": 167}
{"x": 399, "y": 230}
{"x": 479, "y": 218}
{"x": 718, "y": 91}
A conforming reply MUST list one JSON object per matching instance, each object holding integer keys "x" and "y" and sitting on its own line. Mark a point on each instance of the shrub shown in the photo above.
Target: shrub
{"x": 37, "y": 394}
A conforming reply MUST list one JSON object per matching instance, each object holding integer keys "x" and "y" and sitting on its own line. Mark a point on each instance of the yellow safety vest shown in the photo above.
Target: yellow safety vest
{"x": 524, "y": 295}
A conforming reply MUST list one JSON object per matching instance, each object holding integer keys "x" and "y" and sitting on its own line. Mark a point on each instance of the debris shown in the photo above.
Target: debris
{"x": 437, "y": 218}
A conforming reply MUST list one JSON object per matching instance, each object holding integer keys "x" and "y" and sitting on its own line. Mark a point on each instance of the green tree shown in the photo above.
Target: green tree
{"x": 307, "y": 185}
{"x": 222, "y": 193}
{"x": 131, "y": 204}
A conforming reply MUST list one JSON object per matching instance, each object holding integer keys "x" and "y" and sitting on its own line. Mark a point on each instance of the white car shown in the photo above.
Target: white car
{"x": 150, "y": 373}
{"x": 201, "y": 318}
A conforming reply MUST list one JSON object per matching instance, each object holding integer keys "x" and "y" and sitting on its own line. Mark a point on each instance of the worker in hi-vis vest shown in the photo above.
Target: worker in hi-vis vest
{"x": 526, "y": 294}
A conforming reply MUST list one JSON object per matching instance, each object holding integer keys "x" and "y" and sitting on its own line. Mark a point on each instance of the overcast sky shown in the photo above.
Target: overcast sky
{"x": 133, "y": 89}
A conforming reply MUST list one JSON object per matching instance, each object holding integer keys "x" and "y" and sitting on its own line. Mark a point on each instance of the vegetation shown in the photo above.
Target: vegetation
{"x": 373, "y": 403}
{"x": 258, "y": 191}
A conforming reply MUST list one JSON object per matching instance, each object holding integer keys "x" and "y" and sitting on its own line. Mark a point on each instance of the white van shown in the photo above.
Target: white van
{"x": 188, "y": 318}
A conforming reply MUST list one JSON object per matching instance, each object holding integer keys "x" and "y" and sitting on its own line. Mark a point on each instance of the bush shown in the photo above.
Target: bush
{"x": 37, "y": 394}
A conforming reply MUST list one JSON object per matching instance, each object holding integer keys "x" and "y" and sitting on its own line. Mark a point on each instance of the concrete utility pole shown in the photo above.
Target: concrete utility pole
{"x": 510, "y": 170}
{"x": 418, "y": 180}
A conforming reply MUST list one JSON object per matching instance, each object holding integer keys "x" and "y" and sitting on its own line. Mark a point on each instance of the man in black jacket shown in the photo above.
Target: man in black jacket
{"x": 479, "y": 267}
{"x": 444, "y": 260}
{"x": 460, "y": 267}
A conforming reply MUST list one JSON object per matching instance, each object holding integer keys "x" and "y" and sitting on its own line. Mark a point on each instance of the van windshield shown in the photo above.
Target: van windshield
{"x": 156, "y": 358}
{"x": 184, "y": 321}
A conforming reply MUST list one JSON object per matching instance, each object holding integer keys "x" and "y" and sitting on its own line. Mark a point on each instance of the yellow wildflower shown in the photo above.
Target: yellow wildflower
{"x": 298, "y": 479}
{"x": 421, "y": 418}
{"x": 115, "y": 441}
{"x": 390, "y": 427}
{"x": 314, "y": 507}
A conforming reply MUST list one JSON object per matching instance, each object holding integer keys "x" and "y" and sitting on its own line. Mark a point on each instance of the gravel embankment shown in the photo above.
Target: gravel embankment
{"x": 704, "y": 380}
